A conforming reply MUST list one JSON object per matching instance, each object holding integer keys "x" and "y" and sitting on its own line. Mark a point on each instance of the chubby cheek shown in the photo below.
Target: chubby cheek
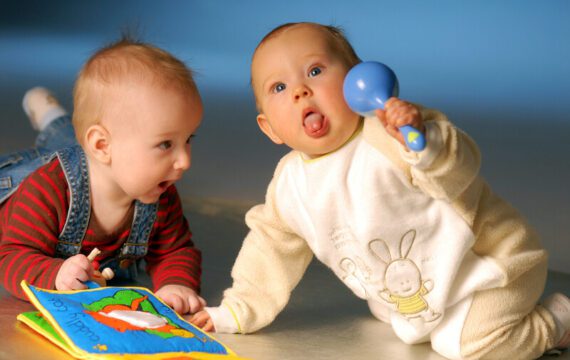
{"x": 280, "y": 108}
{"x": 133, "y": 174}
{"x": 341, "y": 107}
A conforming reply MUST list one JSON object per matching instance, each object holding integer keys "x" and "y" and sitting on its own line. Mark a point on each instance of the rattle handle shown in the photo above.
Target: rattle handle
{"x": 93, "y": 254}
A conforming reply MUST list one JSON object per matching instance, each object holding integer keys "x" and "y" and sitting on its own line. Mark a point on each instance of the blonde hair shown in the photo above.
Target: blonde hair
{"x": 126, "y": 59}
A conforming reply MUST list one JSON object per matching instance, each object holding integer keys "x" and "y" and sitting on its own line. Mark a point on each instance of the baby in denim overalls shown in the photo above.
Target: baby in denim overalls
{"x": 105, "y": 179}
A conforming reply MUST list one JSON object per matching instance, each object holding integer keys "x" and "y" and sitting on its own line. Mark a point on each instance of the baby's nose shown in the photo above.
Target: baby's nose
{"x": 302, "y": 91}
{"x": 183, "y": 161}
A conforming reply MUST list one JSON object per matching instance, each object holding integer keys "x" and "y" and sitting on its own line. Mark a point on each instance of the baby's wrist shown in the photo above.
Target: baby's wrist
{"x": 434, "y": 144}
{"x": 223, "y": 319}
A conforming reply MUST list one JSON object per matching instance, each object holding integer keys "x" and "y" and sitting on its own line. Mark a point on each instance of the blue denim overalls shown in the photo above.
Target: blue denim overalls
{"x": 15, "y": 167}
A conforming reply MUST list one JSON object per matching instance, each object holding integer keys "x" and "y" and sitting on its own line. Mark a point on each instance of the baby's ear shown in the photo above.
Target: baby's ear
{"x": 97, "y": 143}
{"x": 265, "y": 126}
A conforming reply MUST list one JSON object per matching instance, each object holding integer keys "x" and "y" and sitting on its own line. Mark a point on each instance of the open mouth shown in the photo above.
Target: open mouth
{"x": 164, "y": 185}
{"x": 315, "y": 123}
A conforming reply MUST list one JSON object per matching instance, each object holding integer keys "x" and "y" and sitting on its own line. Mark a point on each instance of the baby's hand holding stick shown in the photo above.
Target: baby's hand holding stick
{"x": 100, "y": 277}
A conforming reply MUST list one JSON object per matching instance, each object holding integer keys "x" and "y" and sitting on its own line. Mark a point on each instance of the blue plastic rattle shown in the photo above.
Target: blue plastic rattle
{"x": 368, "y": 86}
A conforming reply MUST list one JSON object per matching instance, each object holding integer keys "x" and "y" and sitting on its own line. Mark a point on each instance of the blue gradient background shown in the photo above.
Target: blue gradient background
{"x": 499, "y": 70}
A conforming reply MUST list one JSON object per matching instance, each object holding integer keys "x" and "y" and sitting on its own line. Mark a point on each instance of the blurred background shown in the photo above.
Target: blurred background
{"x": 499, "y": 70}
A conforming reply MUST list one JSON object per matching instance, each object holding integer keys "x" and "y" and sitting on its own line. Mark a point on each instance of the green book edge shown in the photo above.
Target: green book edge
{"x": 36, "y": 321}
{"x": 48, "y": 330}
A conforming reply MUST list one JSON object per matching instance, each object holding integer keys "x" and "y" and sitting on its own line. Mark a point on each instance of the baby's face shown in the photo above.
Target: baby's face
{"x": 150, "y": 129}
{"x": 297, "y": 79}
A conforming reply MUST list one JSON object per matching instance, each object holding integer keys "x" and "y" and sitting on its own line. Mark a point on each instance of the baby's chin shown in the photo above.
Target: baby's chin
{"x": 316, "y": 153}
{"x": 326, "y": 148}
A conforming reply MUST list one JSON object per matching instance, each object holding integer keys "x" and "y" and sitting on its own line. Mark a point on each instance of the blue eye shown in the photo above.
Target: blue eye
{"x": 315, "y": 71}
{"x": 279, "y": 87}
{"x": 165, "y": 145}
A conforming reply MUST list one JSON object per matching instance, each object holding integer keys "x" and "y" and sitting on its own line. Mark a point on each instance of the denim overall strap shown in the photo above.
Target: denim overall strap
{"x": 136, "y": 245}
{"x": 74, "y": 165}
{"x": 125, "y": 265}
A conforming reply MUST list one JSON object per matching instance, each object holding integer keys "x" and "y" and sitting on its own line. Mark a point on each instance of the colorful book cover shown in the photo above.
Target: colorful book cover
{"x": 117, "y": 323}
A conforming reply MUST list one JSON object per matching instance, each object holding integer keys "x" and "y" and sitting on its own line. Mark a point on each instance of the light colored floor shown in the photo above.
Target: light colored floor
{"x": 322, "y": 321}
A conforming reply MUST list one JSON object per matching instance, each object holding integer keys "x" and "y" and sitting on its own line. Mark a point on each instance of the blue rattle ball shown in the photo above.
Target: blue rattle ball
{"x": 367, "y": 87}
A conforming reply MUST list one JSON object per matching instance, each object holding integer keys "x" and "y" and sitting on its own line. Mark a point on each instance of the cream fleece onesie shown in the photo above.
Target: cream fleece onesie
{"x": 419, "y": 236}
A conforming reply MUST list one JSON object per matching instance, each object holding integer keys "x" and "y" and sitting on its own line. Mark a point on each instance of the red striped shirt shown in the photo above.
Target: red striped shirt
{"x": 33, "y": 217}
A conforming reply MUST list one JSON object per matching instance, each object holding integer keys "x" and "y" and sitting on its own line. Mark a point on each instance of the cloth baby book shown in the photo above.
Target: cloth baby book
{"x": 117, "y": 323}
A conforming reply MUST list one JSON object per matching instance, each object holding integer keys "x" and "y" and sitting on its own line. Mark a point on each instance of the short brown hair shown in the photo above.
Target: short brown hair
{"x": 335, "y": 33}
{"x": 126, "y": 58}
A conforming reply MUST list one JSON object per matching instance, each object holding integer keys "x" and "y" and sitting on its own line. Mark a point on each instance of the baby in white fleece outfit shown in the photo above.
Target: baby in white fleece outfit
{"x": 419, "y": 236}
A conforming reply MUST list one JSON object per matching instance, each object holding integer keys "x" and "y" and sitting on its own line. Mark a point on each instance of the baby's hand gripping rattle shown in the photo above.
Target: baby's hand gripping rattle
{"x": 368, "y": 86}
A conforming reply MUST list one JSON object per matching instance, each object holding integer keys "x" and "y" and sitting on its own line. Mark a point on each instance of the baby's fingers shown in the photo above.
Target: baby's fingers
{"x": 209, "y": 326}
{"x": 196, "y": 303}
{"x": 391, "y": 102}
{"x": 177, "y": 303}
{"x": 201, "y": 320}
{"x": 381, "y": 115}
{"x": 82, "y": 266}
{"x": 71, "y": 283}
{"x": 76, "y": 284}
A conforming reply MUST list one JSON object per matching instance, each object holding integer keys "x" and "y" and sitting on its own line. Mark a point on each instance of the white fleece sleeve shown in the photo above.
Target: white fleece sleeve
{"x": 270, "y": 264}
{"x": 450, "y": 162}
{"x": 223, "y": 319}
{"x": 424, "y": 158}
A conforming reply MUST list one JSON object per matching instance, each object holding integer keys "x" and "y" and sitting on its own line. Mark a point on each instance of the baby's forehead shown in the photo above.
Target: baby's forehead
{"x": 142, "y": 93}
{"x": 310, "y": 33}
{"x": 312, "y": 40}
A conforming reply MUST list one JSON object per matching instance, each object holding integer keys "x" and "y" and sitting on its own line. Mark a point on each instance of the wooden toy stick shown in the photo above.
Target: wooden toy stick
{"x": 93, "y": 254}
{"x": 100, "y": 277}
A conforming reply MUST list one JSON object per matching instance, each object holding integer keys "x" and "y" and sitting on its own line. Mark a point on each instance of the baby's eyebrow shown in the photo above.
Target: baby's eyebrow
{"x": 167, "y": 133}
{"x": 163, "y": 136}
{"x": 270, "y": 80}
{"x": 318, "y": 56}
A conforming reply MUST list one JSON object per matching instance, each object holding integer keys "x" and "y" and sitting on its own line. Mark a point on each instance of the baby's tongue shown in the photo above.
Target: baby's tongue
{"x": 313, "y": 123}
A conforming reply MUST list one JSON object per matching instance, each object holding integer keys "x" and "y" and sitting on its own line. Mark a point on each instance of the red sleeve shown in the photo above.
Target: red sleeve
{"x": 31, "y": 221}
{"x": 172, "y": 257}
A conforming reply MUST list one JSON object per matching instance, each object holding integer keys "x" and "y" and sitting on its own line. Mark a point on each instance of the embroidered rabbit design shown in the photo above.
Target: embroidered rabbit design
{"x": 403, "y": 280}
